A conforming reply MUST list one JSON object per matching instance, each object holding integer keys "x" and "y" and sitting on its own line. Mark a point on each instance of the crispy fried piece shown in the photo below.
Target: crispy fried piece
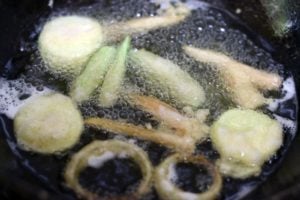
{"x": 244, "y": 81}
{"x": 171, "y": 16}
{"x": 82, "y": 159}
{"x": 169, "y": 116}
{"x": 245, "y": 140}
{"x": 165, "y": 75}
{"x": 176, "y": 131}
{"x": 168, "y": 190}
{"x": 67, "y": 42}
{"x": 93, "y": 74}
{"x": 113, "y": 80}
{"x": 185, "y": 144}
{"x": 48, "y": 124}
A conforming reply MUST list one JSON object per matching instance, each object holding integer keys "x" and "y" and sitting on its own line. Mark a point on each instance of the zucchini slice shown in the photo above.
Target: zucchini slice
{"x": 48, "y": 124}
{"x": 67, "y": 42}
{"x": 245, "y": 139}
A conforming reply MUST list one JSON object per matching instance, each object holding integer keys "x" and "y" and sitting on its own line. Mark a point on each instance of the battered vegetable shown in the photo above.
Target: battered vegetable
{"x": 168, "y": 76}
{"x": 96, "y": 149}
{"x": 168, "y": 190}
{"x": 67, "y": 42}
{"x": 93, "y": 74}
{"x": 171, "y": 16}
{"x": 113, "y": 80}
{"x": 48, "y": 124}
{"x": 175, "y": 131}
{"x": 244, "y": 81}
{"x": 170, "y": 117}
{"x": 245, "y": 139}
{"x": 183, "y": 144}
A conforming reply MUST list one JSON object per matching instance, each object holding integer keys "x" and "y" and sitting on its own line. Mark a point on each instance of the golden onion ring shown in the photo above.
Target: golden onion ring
{"x": 168, "y": 190}
{"x": 97, "y": 148}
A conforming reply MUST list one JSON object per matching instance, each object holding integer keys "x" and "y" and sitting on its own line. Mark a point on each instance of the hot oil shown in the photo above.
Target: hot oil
{"x": 117, "y": 176}
{"x": 207, "y": 27}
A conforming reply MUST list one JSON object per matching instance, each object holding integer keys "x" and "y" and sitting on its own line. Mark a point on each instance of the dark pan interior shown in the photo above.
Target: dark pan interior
{"x": 17, "y": 18}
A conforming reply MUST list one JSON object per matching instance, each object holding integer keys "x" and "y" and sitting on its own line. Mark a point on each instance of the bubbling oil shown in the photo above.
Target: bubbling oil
{"x": 206, "y": 27}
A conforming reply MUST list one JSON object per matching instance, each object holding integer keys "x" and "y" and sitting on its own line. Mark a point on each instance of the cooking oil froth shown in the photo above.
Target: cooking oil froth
{"x": 15, "y": 93}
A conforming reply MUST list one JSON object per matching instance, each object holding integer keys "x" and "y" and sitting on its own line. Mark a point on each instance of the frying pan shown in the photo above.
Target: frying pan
{"x": 18, "y": 17}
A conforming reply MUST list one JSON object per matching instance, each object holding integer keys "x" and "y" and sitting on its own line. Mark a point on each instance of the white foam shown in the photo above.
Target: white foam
{"x": 191, "y": 4}
{"x": 50, "y": 3}
{"x": 122, "y": 154}
{"x": 244, "y": 191}
{"x": 289, "y": 90}
{"x": 167, "y": 185}
{"x": 195, "y": 4}
{"x": 286, "y": 123}
{"x": 172, "y": 175}
{"x": 10, "y": 92}
{"x": 98, "y": 161}
{"x": 188, "y": 196}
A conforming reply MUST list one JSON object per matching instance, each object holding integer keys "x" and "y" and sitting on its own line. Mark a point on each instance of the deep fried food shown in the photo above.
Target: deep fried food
{"x": 96, "y": 149}
{"x": 245, "y": 139}
{"x": 244, "y": 82}
{"x": 168, "y": 190}
{"x": 48, "y": 124}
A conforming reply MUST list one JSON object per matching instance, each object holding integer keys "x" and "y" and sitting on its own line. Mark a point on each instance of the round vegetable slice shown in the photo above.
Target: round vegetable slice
{"x": 48, "y": 124}
{"x": 97, "y": 149}
{"x": 245, "y": 139}
{"x": 168, "y": 190}
{"x": 67, "y": 42}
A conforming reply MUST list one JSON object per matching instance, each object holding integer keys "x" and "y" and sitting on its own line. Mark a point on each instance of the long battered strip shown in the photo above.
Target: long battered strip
{"x": 171, "y": 16}
{"x": 181, "y": 124}
{"x": 181, "y": 144}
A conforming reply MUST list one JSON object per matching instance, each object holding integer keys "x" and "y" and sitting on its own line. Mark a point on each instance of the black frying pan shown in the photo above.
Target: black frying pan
{"x": 18, "y": 18}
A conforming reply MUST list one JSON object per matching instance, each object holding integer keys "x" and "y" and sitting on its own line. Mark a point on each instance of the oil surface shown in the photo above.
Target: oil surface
{"x": 206, "y": 27}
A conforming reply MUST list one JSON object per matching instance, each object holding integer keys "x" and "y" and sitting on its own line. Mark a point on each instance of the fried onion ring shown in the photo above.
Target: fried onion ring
{"x": 168, "y": 190}
{"x": 97, "y": 148}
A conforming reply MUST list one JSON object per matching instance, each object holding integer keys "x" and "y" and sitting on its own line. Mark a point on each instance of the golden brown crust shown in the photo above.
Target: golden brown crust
{"x": 245, "y": 82}
{"x": 168, "y": 190}
{"x": 185, "y": 144}
{"x": 171, "y": 16}
{"x": 80, "y": 160}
